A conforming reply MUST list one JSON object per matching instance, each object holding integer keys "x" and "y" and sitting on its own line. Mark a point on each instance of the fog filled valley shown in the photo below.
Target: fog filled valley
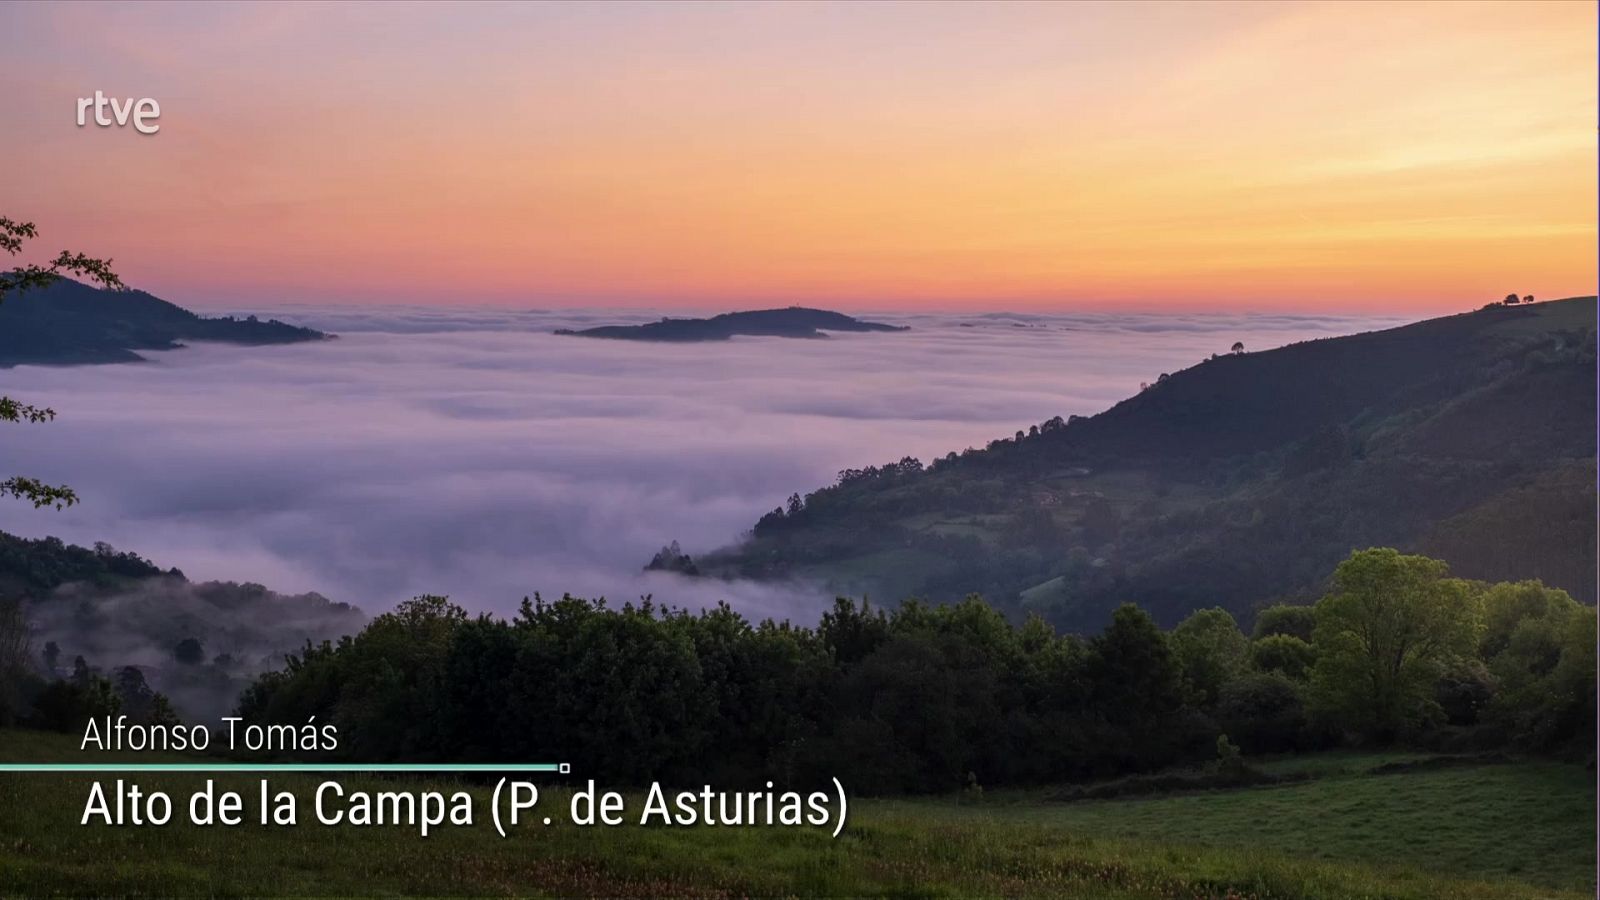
{"x": 1171, "y": 576}
{"x": 1115, "y": 565}
{"x": 480, "y": 456}
{"x": 477, "y": 455}
{"x": 1078, "y": 450}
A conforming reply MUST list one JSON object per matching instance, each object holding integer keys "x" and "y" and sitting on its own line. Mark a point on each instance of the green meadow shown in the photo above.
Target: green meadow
{"x": 1372, "y": 826}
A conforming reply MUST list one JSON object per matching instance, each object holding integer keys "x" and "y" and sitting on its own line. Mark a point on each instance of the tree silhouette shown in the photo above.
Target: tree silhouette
{"x": 1238, "y": 346}
{"x": 32, "y": 277}
{"x": 189, "y": 651}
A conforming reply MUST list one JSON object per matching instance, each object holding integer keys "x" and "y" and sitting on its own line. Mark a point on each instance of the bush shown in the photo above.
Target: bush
{"x": 972, "y": 794}
{"x": 1465, "y": 689}
{"x": 1264, "y": 712}
{"x": 68, "y": 705}
{"x": 1229, "y": 760}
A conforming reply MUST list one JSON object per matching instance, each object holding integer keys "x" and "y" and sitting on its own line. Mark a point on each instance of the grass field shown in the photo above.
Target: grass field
{"x": 1531, "y": 821}
{"x": 1510, "y": 830}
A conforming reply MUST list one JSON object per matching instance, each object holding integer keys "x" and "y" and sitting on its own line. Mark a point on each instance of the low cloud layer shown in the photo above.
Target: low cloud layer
{"x": 242, "y": 629}
{"x": 475, "y": 454}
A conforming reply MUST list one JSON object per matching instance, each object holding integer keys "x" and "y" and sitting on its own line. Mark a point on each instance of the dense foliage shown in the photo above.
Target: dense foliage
{"x": 936, "y": 697}
{"x": 31, "y": 568}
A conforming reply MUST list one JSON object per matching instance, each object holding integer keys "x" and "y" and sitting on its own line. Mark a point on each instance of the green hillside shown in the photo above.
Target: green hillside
{"x": 1240, "y": 480}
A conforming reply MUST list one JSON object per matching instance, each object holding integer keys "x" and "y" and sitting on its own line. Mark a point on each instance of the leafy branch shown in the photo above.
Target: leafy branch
{"x": 37, "y": 492}
{"x": 35, "y": 276}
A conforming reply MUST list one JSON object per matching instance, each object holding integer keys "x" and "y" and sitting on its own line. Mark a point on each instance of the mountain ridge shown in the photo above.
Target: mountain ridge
{"x": 72, "y": 323}
{"x": 1238, "y": 481}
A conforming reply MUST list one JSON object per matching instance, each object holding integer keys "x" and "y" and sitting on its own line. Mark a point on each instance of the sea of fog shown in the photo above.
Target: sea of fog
{"x": 478, "y": 455}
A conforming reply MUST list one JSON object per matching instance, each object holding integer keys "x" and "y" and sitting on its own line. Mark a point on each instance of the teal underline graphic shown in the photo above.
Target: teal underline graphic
{"x": 280, "y": 767}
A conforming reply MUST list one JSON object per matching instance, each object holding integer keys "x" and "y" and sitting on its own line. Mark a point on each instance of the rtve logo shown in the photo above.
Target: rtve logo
{"x": 142, "y": 112}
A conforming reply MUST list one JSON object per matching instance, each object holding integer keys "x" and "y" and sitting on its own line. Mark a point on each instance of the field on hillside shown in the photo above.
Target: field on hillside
{"x": 1507, "y": 830}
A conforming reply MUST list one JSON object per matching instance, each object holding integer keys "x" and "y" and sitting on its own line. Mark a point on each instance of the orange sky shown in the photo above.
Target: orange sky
{"x": 1404, "y": 157}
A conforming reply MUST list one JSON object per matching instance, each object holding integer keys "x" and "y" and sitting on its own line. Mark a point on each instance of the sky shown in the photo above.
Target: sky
{"x": 1374, "y": 157}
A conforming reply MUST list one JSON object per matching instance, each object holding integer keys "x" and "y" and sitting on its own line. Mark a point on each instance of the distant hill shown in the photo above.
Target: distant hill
{"x": 1239, "y": 481}
{"x": 793, "y": 322}
{"x": 72, "y": 323}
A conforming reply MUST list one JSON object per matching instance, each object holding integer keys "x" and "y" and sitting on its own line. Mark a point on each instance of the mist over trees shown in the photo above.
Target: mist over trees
{"x": 74, "y": 617}
{"x": 929, "y": 698}
{"x": 199, "y": 643}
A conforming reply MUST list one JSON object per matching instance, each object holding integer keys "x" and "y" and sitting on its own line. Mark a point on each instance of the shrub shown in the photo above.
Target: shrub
{"x": 1264, "y": 712}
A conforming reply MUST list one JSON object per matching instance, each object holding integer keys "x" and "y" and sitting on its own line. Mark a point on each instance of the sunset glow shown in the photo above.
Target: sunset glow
{"x": 1256, "y": 156}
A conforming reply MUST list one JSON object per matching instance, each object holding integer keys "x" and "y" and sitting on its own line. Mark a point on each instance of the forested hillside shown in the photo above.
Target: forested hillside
{"x": 69, "y": 322}
{"x": 1238, "y": 481}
